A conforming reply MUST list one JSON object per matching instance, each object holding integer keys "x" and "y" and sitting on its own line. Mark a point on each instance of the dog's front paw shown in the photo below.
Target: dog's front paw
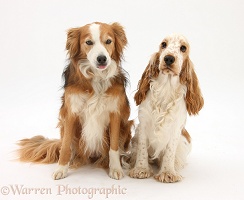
{"x": 116, "y": 173}
{"x": 168, "y": 177}
{"x": 140, "y": 172}
{"x": 60, "y": 172}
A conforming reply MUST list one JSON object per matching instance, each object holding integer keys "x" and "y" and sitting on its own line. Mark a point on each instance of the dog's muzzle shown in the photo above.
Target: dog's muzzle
{"x": 101, "y": 62}
{"x": 169, "y": 60}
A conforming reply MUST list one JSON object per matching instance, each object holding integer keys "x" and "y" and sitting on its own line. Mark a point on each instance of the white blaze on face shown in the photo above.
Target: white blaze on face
{"x": 97, "y": 49}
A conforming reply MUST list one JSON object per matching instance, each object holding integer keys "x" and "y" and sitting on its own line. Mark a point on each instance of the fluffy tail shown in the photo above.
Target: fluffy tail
{"x": 39, "y": 150}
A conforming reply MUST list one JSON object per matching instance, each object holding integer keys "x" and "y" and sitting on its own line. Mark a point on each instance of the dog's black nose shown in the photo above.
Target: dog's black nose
{"x": 169, "y": 60}
{"x": 101, "y": 59}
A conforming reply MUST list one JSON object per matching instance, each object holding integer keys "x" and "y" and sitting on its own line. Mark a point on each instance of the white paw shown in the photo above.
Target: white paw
{"x": 60, "y": 172}
{"x": 140, "y": 172}
{"x": 116, "y": 173}
{"x": 115, "y": 169}
{"x": 168, "y": 177}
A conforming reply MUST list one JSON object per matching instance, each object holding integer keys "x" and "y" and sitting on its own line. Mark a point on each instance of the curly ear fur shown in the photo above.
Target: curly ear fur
{"x": 120, "y": 41}
{"x": 188, "y": 77}
{"x": 151, "y": 71}
{"x": 73, "y": 42}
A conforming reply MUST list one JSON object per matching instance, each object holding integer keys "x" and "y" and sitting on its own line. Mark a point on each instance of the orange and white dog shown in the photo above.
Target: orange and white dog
{"x": 167, "y": 90}
{"x": 93, "y": 120}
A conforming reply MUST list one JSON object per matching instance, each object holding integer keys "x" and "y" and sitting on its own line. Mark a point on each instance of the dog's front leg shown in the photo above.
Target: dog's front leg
{"x": 142, "y": 168}
{"x": 65, "y": 152}
{"x": 115, "y": 169}
{"x": 167, "y": 173}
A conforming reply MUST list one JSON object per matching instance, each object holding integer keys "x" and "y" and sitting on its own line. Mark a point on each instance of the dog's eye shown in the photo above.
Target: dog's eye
{"x": 89, "y": 42}
{"x": 183, "y": 48}
{"x": 164, "y": 45}
{"x": 108, "y": 41}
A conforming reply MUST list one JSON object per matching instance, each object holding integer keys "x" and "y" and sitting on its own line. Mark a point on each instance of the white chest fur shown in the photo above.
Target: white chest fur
{"x": 163, "y": 113}
{"x": 93, "y": 112}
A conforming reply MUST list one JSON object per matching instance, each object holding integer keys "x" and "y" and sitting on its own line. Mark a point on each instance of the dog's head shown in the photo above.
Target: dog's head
{"x": 173, "y": 51}
{"x": 97, "y": 44}
{"x": 173, "y": 59}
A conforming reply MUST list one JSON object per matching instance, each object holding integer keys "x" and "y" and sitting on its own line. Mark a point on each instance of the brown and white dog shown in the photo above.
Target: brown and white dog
{"x": 93, "y": 120}
{"x": 167, "y": 90}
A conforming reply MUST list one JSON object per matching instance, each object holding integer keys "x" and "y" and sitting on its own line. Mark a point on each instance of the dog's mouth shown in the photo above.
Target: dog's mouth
{"x": 168, "y": 70}
{"x": 102, "y": 67}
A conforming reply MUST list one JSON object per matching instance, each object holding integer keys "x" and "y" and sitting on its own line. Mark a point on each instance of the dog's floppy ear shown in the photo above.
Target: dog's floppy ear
{"x": 73, "y": 42}
{"x": 151, "y": 71}
{"x": 194, "y": 98}
{"x": 120, "y": 41}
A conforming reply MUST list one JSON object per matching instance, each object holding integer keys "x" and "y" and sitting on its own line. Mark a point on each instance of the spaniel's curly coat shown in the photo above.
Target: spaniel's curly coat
{"x": 167, "y": 90}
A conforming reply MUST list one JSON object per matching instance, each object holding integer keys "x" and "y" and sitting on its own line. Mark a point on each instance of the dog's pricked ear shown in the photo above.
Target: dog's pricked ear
{"x": 73, "y": 42}
{"x": 194, "y": 98}
{"x": 120, "y": 41}
{"x": 151, "y": 71}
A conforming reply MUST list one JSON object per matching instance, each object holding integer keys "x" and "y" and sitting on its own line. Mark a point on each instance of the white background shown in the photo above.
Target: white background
{"x": 32, "y": 59}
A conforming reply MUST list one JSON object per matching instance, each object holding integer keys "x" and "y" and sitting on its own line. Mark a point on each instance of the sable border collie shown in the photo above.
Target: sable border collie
{"x": 93, "y": 118}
